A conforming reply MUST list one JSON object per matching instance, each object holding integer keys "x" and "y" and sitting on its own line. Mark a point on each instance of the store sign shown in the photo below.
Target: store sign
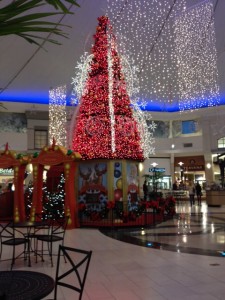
{"x": 196, "y": 168}
{"x": 6, "y": 172}
{"x": 161, "y": 170}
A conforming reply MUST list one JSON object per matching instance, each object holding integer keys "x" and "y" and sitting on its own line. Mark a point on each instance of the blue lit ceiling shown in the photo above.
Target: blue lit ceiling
{"x": 27, "y": 73}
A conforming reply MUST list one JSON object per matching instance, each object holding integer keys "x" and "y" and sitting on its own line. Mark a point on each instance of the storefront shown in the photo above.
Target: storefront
{"x": 157, "y": 173}
{"x": 189, "y": 169}
{"x": 6, "y": 179}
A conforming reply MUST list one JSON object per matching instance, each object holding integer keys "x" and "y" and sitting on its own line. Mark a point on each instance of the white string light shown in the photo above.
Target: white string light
{"x": 196, "y": 57}
{"x": 137, "y": 25}
{"x": 57, "y": 115}
{"x": 110, "y": 93}
{"x": 146, "y": 126}
{"x": 79, "y": 81}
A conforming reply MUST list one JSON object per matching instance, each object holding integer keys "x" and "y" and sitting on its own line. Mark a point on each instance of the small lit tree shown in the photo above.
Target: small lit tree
{"x": 28, "y": 195}
{"x": 53, "y": 203}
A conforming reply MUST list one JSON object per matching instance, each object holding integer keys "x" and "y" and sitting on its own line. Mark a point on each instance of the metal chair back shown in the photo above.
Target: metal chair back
{"x": 78, "y": 264}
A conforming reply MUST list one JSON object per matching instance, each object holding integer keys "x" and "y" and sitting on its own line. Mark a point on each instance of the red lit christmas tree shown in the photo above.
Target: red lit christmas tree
{"x": 105, "y": 126}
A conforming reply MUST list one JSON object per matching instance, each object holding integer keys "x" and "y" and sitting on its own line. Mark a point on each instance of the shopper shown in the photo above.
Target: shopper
{"x": 198, "y": 189}
{"x": 192, "y": 194}
{"x": 175, "y": 186}
{"x": 145, "y": 190}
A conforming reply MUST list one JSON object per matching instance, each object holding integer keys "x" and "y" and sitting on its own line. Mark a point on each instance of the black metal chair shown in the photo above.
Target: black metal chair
{"x": 56, "y": 233}
{"x": 41, "y": 227}
{"x": 10, "y": 236}
{"x": 79, "y": 261}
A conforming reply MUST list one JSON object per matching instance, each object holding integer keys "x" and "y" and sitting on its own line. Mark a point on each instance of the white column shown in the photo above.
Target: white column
{"x": 172, "y": 167}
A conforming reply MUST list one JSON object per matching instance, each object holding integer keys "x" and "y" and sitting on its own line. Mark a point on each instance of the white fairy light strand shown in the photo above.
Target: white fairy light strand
{"x": 137, "y": 26}
{"x": 196, "y": 58}
{"x": 145, "y": 126}
{"x": 81, "y": 76}
{"x": 57, "y": 115}
{"x": 110, "y": 93}
{"x": 130, "y": 72}
{"x": 145, "y": 130}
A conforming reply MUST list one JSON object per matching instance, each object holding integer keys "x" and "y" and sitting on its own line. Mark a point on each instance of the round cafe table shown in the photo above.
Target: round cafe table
{"x": 25, "y": 285}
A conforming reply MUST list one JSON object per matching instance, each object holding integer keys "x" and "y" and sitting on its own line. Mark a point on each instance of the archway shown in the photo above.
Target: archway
{"x": 55, "y": 155}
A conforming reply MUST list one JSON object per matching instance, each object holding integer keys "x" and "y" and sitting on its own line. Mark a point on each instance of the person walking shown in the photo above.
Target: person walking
{"x": 175, "y": 186}
{"x": 192, "y": 194}
{"x": 145, "y": 190}
{"x": 198, "y": 189}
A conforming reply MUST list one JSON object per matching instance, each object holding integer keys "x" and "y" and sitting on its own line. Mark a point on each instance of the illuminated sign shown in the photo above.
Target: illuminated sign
{"x": 196, "y": 168}
{"x": 161, "y": 170}
{"x": 6, "y": 172}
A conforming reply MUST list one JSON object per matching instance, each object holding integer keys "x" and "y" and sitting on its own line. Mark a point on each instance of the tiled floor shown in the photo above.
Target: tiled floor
{"x": 136, "y": 270}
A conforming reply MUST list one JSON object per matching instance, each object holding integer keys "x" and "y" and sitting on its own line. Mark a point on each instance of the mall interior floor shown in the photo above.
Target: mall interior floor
{"x": 182, "y": 258}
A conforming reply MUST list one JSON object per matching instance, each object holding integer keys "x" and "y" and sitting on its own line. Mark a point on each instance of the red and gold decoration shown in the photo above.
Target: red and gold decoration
{"x": 10, "y": 159}
{"x": 105, "y": 126}
{"x": 55, "y": 155}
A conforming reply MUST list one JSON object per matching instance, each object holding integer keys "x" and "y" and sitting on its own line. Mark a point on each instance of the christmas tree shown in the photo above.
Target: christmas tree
{"x": 53, "y": 202}
{"x": 28, "y": 194}
{"x": 105, "y": 126}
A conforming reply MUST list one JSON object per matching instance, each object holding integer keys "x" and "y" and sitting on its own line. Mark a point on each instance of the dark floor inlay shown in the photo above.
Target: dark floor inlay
{"x": 128, "y": 236}
{"x": 200, "y": 232}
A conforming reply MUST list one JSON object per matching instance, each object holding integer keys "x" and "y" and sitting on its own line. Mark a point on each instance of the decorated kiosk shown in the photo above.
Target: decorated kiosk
{"x": 12, "y": 202}
{"x": 51, "y": 156}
